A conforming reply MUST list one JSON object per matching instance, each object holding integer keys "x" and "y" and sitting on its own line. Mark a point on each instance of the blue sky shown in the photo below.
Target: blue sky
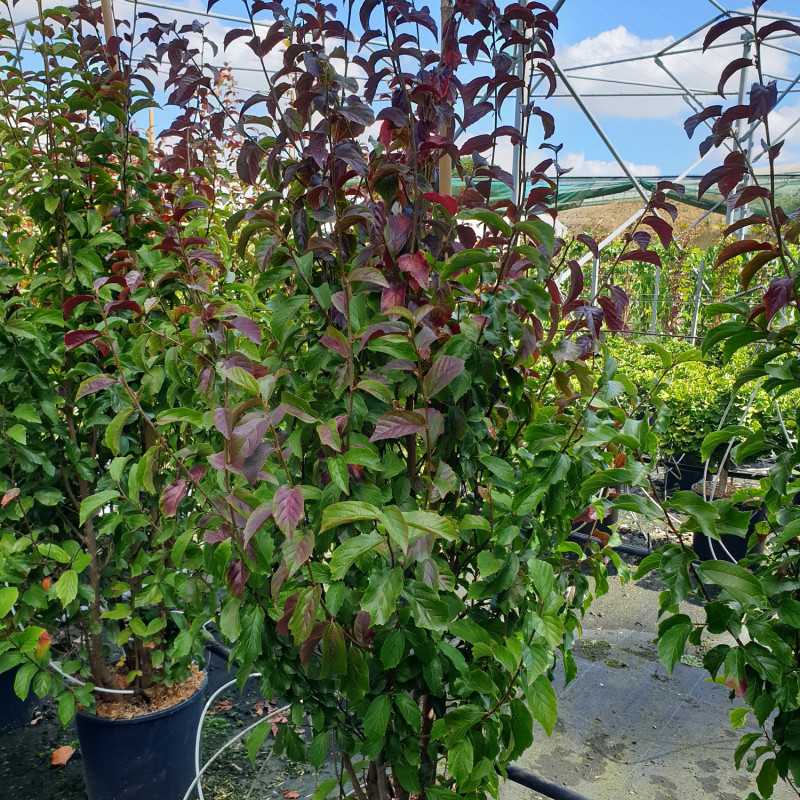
{"x": 647, "y": 131}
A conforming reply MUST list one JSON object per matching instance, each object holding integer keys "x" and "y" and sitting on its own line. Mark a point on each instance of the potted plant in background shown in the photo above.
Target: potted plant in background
{"x": 410, "y": 427}
{"x": 109, "y": 585}
{"x": 755, "y": 602}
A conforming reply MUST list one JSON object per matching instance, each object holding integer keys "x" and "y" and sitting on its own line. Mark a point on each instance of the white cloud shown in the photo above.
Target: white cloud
{"x": 697, "y": 71}
{"x": 589, "y": 167}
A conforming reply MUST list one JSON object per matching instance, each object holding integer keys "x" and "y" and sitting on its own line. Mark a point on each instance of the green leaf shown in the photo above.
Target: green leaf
{"x": 318, "y": 749}
{"x": 539, "y": 231}
{"x": 8, "y": 596}
{"x": 466, "y": 258}
{"x": 376, "y": 718}
{"x": 255, "y": 739}
{"x": 350, "y": 550}
{"x": 54, "y": 552}
{"x": 430, "y": 523}
{"x": 27, "y": 413}
{"x": 48, "y": 497}
{"x": 738, "y": 716}
{"x": 703, "y": 513}
{"x": 113, "y": 432}
{"x": 788, "y": 611}
{"x": 499, "y": 468}
{"x": 459, "y": 760}
{"x": 521, "y": 726}
{"x": 672, "y": 640}
{"x": 191, "y": 416}
{"x": 392, "y": 649}
{"x": 337, "y": 469}
{"x": 745, "y": 743}
{"x": 737, "y": 581}
{"x": 229, "y": 623}
{"x": 325, "y": 788}
{"x": 117, "y": 467}
{"x": 544, "y": 703}
{"x": 767, "y": 777}
{"x": 23, "y": 678}
{"x": 66, "y": 587}
{"x": 380, "y": 598}
{"x": 18, "y": 434}
{"x": 638, "y": 504}
{"x": 713, "y": 440}
{"x": 94, "y": 503}
{"x": 488, "y": 563}
{"x": 633, "y": 474}
{"x": 346, "y": 512}
{"x": 409, "y": 710}
{"x": 489, "y": 218}
{"x": 66, "y": 708}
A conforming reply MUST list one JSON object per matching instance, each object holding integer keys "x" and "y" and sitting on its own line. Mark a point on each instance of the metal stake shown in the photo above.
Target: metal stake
{"x": 698, "y": 296}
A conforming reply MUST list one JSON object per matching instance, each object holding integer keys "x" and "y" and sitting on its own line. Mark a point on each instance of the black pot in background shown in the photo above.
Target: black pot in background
{"x": 14, "y": 713}
{"x": 681, "y": 473}
{"x": 217, "y": 668}
{"x": 709, "y": 549}
{"x": 147, "y": 758}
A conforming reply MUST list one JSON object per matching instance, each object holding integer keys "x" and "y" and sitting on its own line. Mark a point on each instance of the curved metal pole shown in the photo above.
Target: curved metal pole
{"x": 601, "y": 133}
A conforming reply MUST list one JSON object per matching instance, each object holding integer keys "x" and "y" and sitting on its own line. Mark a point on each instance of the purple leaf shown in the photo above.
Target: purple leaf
{"x": 416, "y": 266}
{"x": 75, "y": 339}
{"x": 334, "y": 340}
{"x": 707, "y": 113}
{"x": 398, "y": 229}
{"x": 779, "y": 295}
{"x": 248, "y": 162}
{"x": 731, "y": 69}
{"x": 287, "y": 506}
{"x": 576, "y": 282}
{"x": 721, "y": 28}
{"x": 237, "y": 577}
{"x": 94, "y": 384}
{"x": 661, "y": 227}
{"x": 443, "y": 372}
{"x": 247, "y": 327}
{"x": 584, "y": 238}
{"x": 172, "y": 496}
{"x": 218, "y": 535}
{"x": 396, "y": 424}
{"x": 69, "y": 305}
{"x": 647, "y": 256}
{"x": 254, "y": 522}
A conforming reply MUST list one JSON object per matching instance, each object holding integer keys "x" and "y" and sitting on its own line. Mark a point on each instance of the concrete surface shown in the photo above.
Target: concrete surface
{"x": 628, "y": 730}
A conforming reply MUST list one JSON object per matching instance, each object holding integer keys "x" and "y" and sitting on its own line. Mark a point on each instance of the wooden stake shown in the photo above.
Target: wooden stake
{"x": 109, "y": 26}
{"x": 445, "y": 162}
{"x": 151, "y": 130}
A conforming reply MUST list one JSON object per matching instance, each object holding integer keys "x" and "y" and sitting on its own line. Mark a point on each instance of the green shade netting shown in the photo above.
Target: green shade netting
{"x": 575, "y": 192}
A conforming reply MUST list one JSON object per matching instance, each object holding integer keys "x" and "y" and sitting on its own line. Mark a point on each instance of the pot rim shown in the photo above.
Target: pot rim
{"x": 164, "y": 712}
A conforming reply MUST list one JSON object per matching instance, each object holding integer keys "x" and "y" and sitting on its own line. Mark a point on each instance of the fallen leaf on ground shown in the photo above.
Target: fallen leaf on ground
{"x": 290, "y": 794}
{"x": 61, "y": 755}
{"x": 222, "y": 706}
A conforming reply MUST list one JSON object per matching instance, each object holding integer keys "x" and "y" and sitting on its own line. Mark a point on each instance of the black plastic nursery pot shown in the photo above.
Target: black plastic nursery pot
{"x": 681, "y": 474}
{"x": 146, "y": 758}
{"x": 14, "y": 713}
{"x": 734, "y": 548}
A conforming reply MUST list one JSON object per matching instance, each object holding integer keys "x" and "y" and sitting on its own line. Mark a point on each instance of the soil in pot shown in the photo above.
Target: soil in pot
{"x": 14, "y": 713}
{"x": 128, "y": 755}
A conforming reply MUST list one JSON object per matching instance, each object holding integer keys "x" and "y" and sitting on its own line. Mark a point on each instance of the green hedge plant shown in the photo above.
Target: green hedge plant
{"x": 105, "y": 581}
{"x": 407, "y": 428}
